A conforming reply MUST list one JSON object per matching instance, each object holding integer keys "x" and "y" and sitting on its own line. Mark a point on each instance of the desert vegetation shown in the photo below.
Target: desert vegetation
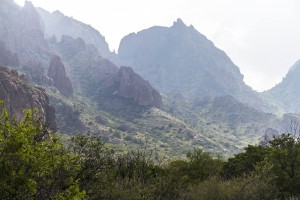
{"x": 36, "y": 164}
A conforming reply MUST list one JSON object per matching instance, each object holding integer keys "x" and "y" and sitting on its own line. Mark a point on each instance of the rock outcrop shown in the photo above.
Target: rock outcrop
{"x": 128, "y": 85}
{"x": 58, "y": 73}
{"x": 18, "y": 95}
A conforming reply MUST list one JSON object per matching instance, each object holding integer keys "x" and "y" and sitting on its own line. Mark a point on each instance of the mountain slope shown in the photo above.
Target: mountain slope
{"x": 287, "y": 93}
{"x": 58, "y": 24}
{"x": 21, "y": 30}
{"x": 181, "y": 60}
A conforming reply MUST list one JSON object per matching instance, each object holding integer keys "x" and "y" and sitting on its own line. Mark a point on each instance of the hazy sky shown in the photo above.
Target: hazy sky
{"x": 262, "y": 37}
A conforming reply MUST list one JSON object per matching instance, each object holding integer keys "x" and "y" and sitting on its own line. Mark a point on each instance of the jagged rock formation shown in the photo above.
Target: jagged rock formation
{"x": 97, "y": 77}
{"x": 22, "y": 31}
{"x": 181, "y": 60}
{"x": 126, "y": 84}
{"x": 58, "y": 24}
{"x": 19, "y": 95}
{"x": 287, "y": 93}
{"x": 58, "y": 73}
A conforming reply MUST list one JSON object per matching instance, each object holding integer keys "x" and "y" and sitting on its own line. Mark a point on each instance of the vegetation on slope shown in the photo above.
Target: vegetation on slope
{"x": 35, "y": 164}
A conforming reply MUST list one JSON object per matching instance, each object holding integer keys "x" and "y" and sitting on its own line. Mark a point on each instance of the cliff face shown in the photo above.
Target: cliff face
{"x": 18, "y": 95}
{"x": 128, "y": 85}
{"x": 58, "y": 73}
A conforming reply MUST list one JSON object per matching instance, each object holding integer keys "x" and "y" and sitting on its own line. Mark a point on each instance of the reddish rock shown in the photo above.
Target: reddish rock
{"x": 58, "y": 73}
{"x": 19, "y": 95}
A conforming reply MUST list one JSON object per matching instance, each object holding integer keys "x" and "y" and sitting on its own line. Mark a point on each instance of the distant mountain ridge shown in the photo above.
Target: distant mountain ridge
{"x": 56, "y": 23}
{"x": 179, "y": 59}
{"x": 287, "y": 92}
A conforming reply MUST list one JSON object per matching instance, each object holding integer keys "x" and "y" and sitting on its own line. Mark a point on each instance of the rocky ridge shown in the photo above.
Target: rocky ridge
{"x": 126, "y": 84}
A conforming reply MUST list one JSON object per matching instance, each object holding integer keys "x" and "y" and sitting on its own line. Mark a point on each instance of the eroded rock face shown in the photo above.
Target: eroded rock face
{"x": 126, "y": 84}
{"x": 58, "y": 73}
{"x": 18, "y": 95}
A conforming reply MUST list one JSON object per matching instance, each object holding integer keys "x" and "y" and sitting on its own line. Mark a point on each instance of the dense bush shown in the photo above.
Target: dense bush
{"x": 35, "y": 164}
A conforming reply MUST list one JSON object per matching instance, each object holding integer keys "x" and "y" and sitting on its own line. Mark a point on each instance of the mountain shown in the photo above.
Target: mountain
{"x": 287, "y": 93}
{"x": 21, "y": 30}
{"x": 58, "y": 24}
{"x": 18, "y": 95}
{"x": 174, "y": 91}
{"x": 181, "y": 60}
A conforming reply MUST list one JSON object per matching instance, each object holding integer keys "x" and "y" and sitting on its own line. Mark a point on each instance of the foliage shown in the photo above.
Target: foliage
{"x": 35, "y": 164}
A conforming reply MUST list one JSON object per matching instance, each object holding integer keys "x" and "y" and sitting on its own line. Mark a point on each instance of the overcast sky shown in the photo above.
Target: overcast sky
{"x": 262, "y": 37}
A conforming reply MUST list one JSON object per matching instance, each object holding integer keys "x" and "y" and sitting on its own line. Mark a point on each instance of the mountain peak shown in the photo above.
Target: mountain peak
{"x": 179, "y": 23}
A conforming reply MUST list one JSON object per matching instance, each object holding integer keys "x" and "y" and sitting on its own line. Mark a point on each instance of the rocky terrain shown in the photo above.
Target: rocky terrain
{"x": 18, "y": 95}
{"x": 58, "y": 74}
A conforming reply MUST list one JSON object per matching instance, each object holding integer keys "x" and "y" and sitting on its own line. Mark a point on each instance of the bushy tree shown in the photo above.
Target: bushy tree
{"x": 33, "y": 163}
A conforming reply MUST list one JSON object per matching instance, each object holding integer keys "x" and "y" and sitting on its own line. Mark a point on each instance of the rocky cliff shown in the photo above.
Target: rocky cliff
{"x": 18, "y": 95}
{"x": 128, "y": 85}
{"x": 57, "y": 72}
{"x": 99, "y": 78}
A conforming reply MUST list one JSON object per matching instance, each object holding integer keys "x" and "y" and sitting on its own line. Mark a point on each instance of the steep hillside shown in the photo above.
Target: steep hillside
{"x": 228, "y": 122}
{"x": 287, "y": 93}
{"x": 181, "y": 60}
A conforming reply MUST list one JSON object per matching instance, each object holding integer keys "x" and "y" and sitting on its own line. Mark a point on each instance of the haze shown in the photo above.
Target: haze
{"x": 261, "y": 37}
